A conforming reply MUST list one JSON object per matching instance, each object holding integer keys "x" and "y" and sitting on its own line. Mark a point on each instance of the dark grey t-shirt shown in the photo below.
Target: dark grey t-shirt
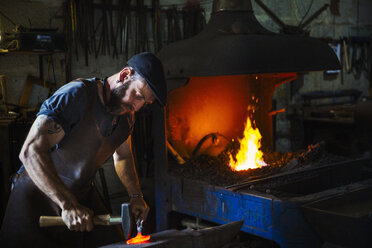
{"x": 67, "y": 105}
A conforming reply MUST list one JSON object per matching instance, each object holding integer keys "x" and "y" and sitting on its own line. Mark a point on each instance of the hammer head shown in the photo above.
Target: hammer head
{"x": 126, "y": 219}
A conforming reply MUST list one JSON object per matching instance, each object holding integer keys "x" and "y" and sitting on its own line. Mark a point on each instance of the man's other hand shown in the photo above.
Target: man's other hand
{"x": 77, "y": 217}
{"x": 139, "y": 208}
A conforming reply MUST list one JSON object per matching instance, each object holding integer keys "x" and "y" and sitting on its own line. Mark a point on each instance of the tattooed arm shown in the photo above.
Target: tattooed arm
{"x": 45, "y": 134}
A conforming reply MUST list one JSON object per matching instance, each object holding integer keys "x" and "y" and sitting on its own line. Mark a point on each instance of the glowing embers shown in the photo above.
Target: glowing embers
{"x": 249, "y": 155}
{"x": 139, "y": 239}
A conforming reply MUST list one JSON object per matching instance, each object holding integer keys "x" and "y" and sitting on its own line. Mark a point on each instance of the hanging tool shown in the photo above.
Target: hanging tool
{"x": 346, "y": 56}
{"x": 156, "y": 27}
{"x": 127, "y": 29}
{"x": 119, "y": 23}
{"x": 145, "y": 40}
{"x": 103, "y": 42}
{"x": 84, "y": 28}
{"x": 106, "y": 28}
{"x": 111, "y": 27}
{"x": 3, "y": 92}
{"x": 74, "y": 26}
{"x": 141, "y": 41}
{"x": 92, "y": 33}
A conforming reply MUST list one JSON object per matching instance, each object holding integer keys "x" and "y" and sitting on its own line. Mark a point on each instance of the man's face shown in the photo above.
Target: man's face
{"x": 130, "y": 95}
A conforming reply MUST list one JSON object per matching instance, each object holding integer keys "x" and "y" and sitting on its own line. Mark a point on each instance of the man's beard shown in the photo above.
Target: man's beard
{"x": 115, "y": 104}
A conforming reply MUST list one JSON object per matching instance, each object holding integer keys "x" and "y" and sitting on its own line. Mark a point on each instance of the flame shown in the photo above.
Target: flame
{"x": 139, "y": 239}
{"x": 249, "y": 155}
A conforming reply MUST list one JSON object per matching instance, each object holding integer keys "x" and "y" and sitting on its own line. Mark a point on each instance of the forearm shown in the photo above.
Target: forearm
{"x": 127, "y": 174}
{"x": 125, "y": 169}
{"x": 41, "y": 170}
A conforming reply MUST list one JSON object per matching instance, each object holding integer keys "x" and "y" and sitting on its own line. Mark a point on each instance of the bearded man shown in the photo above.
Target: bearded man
{"x": 75, "y": 132}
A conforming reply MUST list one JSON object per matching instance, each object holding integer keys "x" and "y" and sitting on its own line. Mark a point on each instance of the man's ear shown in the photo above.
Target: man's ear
{"x": 127, "y": 71}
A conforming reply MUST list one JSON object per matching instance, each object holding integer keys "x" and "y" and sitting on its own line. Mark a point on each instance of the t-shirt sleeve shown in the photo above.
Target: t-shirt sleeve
{"x": 67, "y": 105}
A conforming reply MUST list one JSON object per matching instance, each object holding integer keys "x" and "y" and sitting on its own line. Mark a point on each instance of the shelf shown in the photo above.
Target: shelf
{"x": 4, "y": 51}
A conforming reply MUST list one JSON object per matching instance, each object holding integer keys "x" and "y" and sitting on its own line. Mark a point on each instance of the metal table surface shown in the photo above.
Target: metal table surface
{"x": 273, "y": 207}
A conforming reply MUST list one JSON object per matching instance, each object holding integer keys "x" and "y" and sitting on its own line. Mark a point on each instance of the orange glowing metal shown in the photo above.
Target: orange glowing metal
{"x": 139, "y": 239}
{"x": 249, "y": 155}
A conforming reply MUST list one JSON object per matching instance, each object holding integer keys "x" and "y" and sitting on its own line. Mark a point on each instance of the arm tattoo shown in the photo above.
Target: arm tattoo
{"x": 46, "y": 125}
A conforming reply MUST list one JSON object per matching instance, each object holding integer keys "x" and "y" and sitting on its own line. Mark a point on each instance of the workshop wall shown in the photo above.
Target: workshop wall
{"x": 349, "y": 18}
{"x": 16, "y": 67}
{"x": 49, "y": 14}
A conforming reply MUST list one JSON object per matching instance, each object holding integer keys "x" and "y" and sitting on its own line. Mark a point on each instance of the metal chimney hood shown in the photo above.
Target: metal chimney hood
{"x": 235, "y": 43}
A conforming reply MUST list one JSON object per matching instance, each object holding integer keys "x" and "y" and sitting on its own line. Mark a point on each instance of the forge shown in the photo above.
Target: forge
{"x": 218, "y": 80}
{"x": 221, "y": 105}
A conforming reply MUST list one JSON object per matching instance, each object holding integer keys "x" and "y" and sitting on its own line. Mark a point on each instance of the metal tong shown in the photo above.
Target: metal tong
{"x": 139, "y": 226}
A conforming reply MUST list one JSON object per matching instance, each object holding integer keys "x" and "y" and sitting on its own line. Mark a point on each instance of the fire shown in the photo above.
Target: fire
{"x": 139, "y": 239}
{"x": 249, "y": 155}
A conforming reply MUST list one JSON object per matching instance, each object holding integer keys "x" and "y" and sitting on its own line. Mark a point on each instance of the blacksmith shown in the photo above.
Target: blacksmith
{"x": 75, "y": 132}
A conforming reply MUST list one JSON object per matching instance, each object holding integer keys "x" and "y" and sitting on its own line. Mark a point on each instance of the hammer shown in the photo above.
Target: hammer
{"x": 106, "y": 220}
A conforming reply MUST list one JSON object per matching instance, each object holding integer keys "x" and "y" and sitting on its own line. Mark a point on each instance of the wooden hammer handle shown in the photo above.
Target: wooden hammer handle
{"x": 45, "y": 221}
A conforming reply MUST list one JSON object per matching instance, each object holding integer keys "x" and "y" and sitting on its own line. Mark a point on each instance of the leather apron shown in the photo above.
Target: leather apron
{"x": 77, "y": 159}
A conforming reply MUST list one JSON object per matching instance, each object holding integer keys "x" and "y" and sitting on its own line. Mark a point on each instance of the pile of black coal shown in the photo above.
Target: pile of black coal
{"x": 216, "y": 170}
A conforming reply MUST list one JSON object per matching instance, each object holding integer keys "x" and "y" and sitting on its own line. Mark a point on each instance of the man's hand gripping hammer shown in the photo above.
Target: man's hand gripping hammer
{"x": 125, "y": 220}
